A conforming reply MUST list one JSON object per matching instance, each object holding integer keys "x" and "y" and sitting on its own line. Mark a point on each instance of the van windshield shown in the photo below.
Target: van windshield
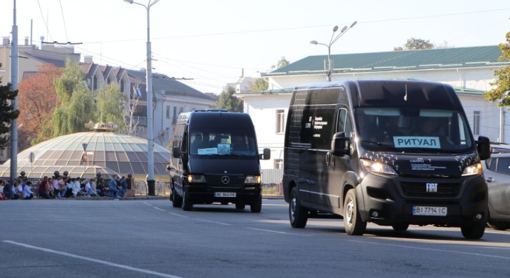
{"x": 218, "y": 141}
{"x": 412, "y": 129}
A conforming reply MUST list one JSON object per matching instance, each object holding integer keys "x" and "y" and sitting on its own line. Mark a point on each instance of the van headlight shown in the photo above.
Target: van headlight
{"x": 472, "y": 170}
{"x": 377, "y": 167}
{"x": 252, "y": 180}
{"x": 196, "y": 179}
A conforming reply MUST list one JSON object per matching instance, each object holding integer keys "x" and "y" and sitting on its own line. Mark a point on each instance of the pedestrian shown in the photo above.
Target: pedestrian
{"x": 123, "y": 186}
{"x": 112, "y": 186}
{"x": 89, "y": 190}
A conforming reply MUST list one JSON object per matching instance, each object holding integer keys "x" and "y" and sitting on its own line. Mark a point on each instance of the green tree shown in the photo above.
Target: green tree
{"x": 502, "y": 90}
{"x": 260, "y": 85}
{"x": 7, "y": 113}
{"x": 76, "y": 102}
{"x": 110, "y": 103}
{"x": 229, "y": 101}
{"x": 414, "y": 44}
{"x": 281, "y": 63}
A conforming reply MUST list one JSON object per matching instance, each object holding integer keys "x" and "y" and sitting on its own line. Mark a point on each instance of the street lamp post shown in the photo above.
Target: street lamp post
{"x": 150, "y": 136}
{"x": 331, "y": 42}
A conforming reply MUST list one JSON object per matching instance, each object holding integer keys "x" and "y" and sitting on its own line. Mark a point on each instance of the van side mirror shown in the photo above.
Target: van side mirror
{"x": 484, "y": 147}
{"x": 266, "y": 154}
{"x": 176, "y": 152}
{"x": 340, "y": 144}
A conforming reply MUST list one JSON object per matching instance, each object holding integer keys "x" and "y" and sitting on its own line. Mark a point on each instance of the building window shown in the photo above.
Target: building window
{"x": 280, "y": 121}
{"x": 278, "y": 164}
{"x": 168, "y": 112}
{"x": 476, "y": 122}
{"x": 174, "y": 119}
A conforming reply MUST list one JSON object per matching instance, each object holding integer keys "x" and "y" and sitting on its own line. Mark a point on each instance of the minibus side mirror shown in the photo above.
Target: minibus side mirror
{"x": 340, "y": 144}
{"x": 266, "y": 154}
{"x": 176, "y": 152}
{"x": 484, "y": 147}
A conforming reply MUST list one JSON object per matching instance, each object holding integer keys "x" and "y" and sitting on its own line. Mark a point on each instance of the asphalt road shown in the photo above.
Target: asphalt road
{"x": 150, "y": 238}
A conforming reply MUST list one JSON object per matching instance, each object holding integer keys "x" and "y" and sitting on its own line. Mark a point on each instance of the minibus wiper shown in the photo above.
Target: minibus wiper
{"x": 378, "y": 144}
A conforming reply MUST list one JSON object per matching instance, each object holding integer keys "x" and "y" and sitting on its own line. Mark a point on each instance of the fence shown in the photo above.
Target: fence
{"x": 271, "y": 182}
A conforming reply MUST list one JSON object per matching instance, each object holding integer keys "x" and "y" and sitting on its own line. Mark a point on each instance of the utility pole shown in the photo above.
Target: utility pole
{"x": 14, "y": 82}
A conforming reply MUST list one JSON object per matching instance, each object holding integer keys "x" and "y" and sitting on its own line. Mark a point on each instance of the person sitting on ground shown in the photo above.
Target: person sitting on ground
{"x": 43, "y": 188}
{"x": 76, "y": 187}
{"x": 90, "y": 192}
{"x": 9, "y": 191}
{"x": 112, "y": 186}
{"x": 27, "y": 192}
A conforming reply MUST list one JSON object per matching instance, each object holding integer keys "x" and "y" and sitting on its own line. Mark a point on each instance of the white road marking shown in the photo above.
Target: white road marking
{"x": 276, "y": 232}
{"x": 180, "y": 215}
{"x": 159, "y": 209}
{"x": 434, "y": 249}
{"x": 126, "y": 267}
{"x": 209, "y": 221}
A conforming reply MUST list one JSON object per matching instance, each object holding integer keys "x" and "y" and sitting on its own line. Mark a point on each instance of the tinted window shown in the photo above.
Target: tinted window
{"x": 504, "y": 166}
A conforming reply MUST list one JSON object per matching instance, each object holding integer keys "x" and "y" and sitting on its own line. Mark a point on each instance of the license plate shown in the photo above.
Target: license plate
{"x": 430, "y": 211}
{"x": 225, "y": 194}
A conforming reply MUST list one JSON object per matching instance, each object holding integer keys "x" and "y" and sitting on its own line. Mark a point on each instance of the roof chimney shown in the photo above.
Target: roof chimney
{"x": 5, "y": 41}
{"x": 87, "y": 59}
{"x": 26, "y": 40}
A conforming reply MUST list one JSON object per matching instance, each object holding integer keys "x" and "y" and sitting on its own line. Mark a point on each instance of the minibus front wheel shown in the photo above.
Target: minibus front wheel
{"x": 353, "y": 223}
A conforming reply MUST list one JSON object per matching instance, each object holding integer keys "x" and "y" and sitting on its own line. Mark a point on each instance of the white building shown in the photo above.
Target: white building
{"x": 470, "y": 70}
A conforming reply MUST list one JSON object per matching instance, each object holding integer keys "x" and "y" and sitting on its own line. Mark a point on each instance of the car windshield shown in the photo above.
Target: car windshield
{"x": 412, "y": 129}
{"x": 217, "y": 141}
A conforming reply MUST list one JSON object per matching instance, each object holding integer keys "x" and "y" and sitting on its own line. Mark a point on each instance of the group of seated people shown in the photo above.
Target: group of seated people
{"x": 64, "y": 187}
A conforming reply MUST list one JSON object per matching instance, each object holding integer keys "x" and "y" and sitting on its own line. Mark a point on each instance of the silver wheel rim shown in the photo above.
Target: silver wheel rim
{"x": 350, "y": 212}
{"x": 293, "y": 208}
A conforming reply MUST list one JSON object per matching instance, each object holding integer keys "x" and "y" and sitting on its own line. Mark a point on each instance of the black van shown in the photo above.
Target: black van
{"x": 215, "y": 159}
{"x": 389, "y": 152}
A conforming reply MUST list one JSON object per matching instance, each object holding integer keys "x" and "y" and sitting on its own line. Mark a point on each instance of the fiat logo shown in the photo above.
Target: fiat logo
{"x": 225, "y": 179}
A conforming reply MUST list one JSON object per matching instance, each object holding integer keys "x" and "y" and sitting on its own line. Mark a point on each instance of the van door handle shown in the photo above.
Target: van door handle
{"x": 328, "y": 158}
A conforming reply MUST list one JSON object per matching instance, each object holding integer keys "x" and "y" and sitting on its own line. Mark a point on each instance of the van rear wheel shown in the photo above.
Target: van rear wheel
{"x": 298, "y": 215}
{"x": 353, "y": 223}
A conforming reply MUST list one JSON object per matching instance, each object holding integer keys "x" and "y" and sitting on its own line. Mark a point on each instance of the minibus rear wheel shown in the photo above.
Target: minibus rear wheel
{"x": 298, "y": 215}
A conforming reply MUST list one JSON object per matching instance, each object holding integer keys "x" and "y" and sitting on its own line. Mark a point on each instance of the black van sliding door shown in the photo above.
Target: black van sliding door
{"x": 320, "y": 125}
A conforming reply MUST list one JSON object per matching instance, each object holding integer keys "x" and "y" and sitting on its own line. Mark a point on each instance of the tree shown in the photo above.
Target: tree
{"x": 77, "y": 104}
{"x": 414, "y": 44}
{"x": 260, "y": 85}
{"x": 281, "y": 63}
{"x": 110, "y": 102}
{"x": 229, "y": 101}
{"x": 502, "y": 90}
{"x": 7, "y": 113}
{"x": 36, "y": 99}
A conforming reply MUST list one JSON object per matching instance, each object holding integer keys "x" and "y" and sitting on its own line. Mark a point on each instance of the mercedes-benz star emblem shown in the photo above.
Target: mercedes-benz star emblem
{"x": 225, "y": 179}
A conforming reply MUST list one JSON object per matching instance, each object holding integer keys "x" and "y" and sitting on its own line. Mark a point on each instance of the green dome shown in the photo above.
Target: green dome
{"x": 108, "y": 153}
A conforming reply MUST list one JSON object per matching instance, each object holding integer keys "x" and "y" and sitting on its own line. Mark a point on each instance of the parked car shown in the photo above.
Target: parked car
{"x": 497, "y": 174}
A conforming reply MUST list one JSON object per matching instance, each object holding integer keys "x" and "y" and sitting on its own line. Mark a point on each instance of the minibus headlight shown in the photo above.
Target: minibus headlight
{"x": 377, "y": 167}
{"x": 196, "y": 179}
{"x": 475, "y": 169}
{"x": 252, "y": 180}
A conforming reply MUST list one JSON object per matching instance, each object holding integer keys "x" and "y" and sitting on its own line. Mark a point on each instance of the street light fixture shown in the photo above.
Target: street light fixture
{"x": 331, "y": 42}
{"x": 150, "y": 137}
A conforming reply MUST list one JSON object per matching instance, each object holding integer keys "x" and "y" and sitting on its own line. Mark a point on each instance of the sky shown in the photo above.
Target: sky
{"x": 215, "y": 42}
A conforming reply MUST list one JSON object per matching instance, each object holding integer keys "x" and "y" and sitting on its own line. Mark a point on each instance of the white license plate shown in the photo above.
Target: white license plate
{"x": 430, "y": 211}
{"x": 225, "y": 194}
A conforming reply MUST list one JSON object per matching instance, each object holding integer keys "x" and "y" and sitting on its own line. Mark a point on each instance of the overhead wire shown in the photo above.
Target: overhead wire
{"x": 44, "y": 21}
{"x": 63, "y": 19}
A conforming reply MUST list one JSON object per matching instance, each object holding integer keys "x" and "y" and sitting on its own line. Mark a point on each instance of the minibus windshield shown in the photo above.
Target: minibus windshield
{"x": 412, "y": 129}
{"x": 222, "y": 141}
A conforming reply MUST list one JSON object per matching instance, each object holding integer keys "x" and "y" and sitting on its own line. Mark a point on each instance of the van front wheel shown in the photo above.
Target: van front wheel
{"x": 257, "y": 205}
{"x": 176, "y": 199}
{"x": 353, "y": 223}
{"x": 186, "y": 203}
{"x": 298, "y": 215}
